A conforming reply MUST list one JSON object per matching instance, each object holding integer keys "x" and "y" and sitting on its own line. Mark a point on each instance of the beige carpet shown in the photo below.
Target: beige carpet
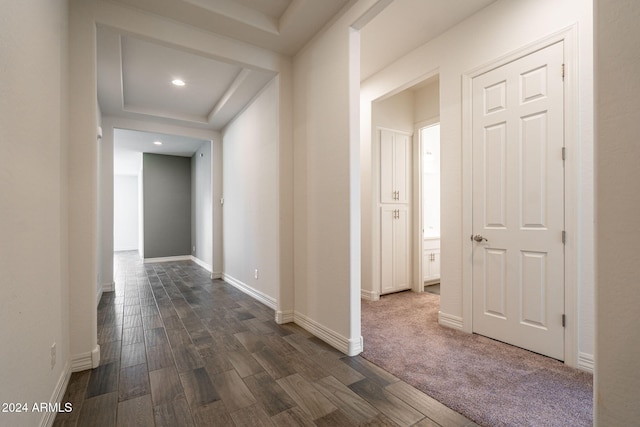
{"x": 492, "y": 383}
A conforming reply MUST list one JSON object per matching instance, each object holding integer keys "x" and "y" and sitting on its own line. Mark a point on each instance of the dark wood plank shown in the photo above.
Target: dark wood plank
{"x": 198, "y": 387}
{"x": 103, "y": 379}
{"x": 353, "y": 406}
{"x": 233, "y": 391}
{"x": 427, "y": 405}
{"x": 334, "y": 419}
{"x": 173, "y": 413}
{"x": 159, "y": 357}
{"x": 306, "y": 396}
{"x": 165, "y": 386}
{"x": 133, "y": 354}
{"x": 74, "y": 395}
{"x": 272, "y": 363}
{"x": 370, "y": 371}
{"x": 99, "y": 411}
{"x": 253, "y": 416}
{"x": 132, "y": 335}
{"x": 270, "y": 395}
{"x": 155, "y": 337}
{"x": 187, "y": 358}
{"x": 386, "y": 402}
{"x": 213, "y": 414}
{"x": 134, "y": 382}
{"x": 244, "y": 363}
{"x": 294, "y": 417}
{"x": 137, "y": 412}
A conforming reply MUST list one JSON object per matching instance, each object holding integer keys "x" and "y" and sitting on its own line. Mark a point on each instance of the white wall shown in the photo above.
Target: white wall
{"x": 250, "y": 210}
{"x": 427, "y": 102}
{"x": 497, "y": 30}
{"x": 617, "y": 379}
{"x": 326, "y": 276}
{"x": 125, "y": 213}
{"x": 34, "y": 290}
{"x": 201, "y": 205}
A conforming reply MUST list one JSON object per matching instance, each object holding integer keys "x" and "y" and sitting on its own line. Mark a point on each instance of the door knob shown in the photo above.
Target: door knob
{"x": 479, "y": 238}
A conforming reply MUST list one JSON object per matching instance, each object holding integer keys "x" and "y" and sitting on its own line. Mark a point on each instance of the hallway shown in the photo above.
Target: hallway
{"x": 180, "y": 349}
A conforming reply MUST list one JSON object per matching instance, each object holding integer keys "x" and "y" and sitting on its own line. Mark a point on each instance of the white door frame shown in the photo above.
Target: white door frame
{"x": 418, "y": 206}
{"x": 571, "y": 172}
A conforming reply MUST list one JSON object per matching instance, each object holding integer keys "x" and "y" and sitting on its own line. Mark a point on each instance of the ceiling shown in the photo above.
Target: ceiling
{"x": 135, "y": 73}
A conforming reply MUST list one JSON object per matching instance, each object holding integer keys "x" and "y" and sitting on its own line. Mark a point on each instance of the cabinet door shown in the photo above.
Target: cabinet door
{"x": 387, "y": 218}
{"x": 395, "y": 167}
{"x": 402, "y": 167}
{"x": 394, "y": 249}
{"x": 387, "y": 174}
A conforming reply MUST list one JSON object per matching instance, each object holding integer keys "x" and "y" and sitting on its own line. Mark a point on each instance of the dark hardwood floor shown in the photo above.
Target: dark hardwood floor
{"x": 180, "y": 349}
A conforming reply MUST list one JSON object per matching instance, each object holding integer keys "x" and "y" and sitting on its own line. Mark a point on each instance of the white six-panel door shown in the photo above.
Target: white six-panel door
{"x": 518, "y": 202}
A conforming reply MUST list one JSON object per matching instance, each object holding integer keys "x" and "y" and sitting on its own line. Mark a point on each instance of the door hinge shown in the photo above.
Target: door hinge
{"x": 564, "y": 153}
{"x": 564, "y": 320}
{"x": 564, "y": 237}
{"x": 562, "y": 72}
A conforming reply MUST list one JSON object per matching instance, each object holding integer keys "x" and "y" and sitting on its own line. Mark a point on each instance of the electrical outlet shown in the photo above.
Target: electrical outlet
{"x": 53, "y": 355}
{"x": 255, "y": 274}
{"x": 194, "y": 249}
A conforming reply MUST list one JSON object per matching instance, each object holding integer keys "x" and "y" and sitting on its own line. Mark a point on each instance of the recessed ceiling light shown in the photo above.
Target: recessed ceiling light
{"x": 178, "y": 82}
{"x": 157, "y": 142}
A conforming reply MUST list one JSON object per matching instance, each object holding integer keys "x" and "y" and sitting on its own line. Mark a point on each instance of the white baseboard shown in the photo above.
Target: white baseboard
{"x": 369, "y": 295}
{"x": 586, "y": 362}
{"x": 216, "y": 275}
{"x": 202, "y": 264}
{"x": 168, "y": 259}
{"x": 449, "y": 320}
{"x": 349, "y": 347}
{"x": 58, "y": 394}
{"x": 254, "y": 293}
{"x": 284, "y": 317}
{"x": 109, "y": 287}
{"x": 84, "y": 361}
{"x": 105, "y": 287}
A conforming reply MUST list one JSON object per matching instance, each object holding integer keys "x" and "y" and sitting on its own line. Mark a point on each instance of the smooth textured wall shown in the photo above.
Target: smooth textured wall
{"x": 167, "y": 205}
{"x": 250, "y": 178}
{"x": 617, "y": 379}
{"x": 201, "y": 208}
{"x": 125, "y": 213}
{"x": 34, "y": 281}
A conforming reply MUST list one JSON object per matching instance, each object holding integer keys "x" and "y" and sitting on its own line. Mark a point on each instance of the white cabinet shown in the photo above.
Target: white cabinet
{"x": 395, "y": 167}
{"x": 431, "y": 261}
{"x": 394, "y": 156}
{"x": 395, "y": 248}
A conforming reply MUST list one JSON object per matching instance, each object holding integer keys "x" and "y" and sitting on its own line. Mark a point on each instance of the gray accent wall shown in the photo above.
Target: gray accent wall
{"x": 167, "y": 205}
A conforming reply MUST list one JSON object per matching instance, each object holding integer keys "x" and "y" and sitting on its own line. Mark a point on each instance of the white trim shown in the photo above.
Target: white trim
{"x": 109, "y": 287}
{"x": 202, "y": 264}
{"x": 87, "y": 360}
{"x": 568, "y": 37}
{"x": 254, "y": 293}
{"x": 418, "y": 206}
{"x": 334, "y": 339}
{"x": 586, "y": 362}
{"x": 58, "y": 394}
{"x": 450, "y": 321}
{"x": 168, "y": 259}
{"x": 369, "y": 295}
{"x": 216, "y": 275}
{"x": 284, "y": 316}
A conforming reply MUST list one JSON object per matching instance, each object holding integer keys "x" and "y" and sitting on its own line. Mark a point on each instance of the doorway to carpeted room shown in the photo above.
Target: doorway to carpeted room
{"x": 492, "y": 383}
